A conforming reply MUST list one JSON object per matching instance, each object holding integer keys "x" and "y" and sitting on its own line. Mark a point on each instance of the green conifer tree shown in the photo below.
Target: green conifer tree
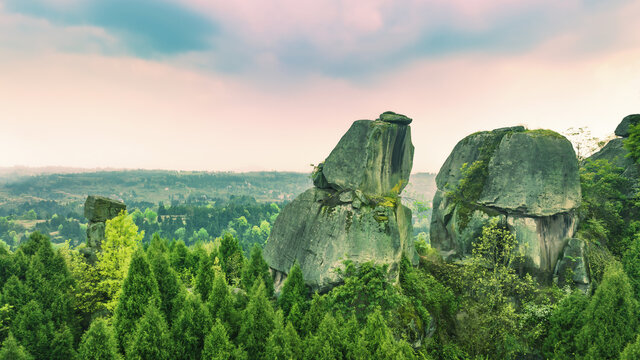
{"x": 62, "y": 345}
{"x": 34, "y": 329}
{"x": 632, "y": 351}
{"x": 217, "y": 345}
{"x": 205, "y": 278}
{"x": 326, "y": 342}
{"x": 257, "y": 269}
{"x": 151, "y": 339}
{"x": 611, "y": 319}
{"x": 12, "y": 350}
{"x": 190, "y": 328}
{"x": 169, "y": 285}
{"x": 138, "y": 290}
{"x": 379, "y": 341}
{"x": 99, "y": 342}
{"x": 257, "y": 322}
{"x": 221, "y": 305}
{"x": 231, "y": 257}
{"x": 294, "y": 291}
{"x": 564, "y": 325}
{"x": 284, "y": 342}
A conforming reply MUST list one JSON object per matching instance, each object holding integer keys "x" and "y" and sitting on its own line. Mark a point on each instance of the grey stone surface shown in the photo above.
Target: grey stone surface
{"x": 534, "y": 174}
{"x": 375, "y": 157}
{"x": 572, "y": 266}
{"x": 616, "y": 154}
{"x": 320, "y": 232}
{"x": 100, "y": 208}
{"x": 624, "y": 126}
{"x": 391, "y": 117}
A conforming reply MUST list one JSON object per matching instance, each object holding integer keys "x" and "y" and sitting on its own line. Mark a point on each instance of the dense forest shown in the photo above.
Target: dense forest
{"x": 163, "y": 289}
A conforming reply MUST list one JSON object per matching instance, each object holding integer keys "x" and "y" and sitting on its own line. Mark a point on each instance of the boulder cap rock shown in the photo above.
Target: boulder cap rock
{"x": 394, "y": 118}
{"x": 100, "y": 208}
{"x": 624, "y": 128}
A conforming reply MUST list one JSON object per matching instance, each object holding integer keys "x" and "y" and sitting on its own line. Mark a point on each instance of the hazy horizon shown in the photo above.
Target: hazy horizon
{"x": 245, "y": 86}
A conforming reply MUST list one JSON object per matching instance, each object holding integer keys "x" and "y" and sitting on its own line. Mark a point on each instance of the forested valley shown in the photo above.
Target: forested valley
{"x": 186, "y": 279}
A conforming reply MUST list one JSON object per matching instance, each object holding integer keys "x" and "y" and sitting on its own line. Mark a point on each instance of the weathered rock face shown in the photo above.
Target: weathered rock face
{"x": 529, "y": 179}
{"x": 99, "y": 209}
{"x": 373, "y": 156}
{"x": 353, "y": 212}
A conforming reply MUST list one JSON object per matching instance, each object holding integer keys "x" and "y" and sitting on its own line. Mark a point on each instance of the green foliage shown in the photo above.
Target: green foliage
{"x": 294, "y": 291}
{"x": 631, "y": 264}
{"x": 151, "y": 339}
{"x": 99, "y": 342}
{"x": 204, "y": 277}
{"x": 218, "y": 347}
{"x": 231, "y": 256}
{"x": 190, "y": 328}
{"x": 169, "y": 285}
{"x": 12, "y": 350}
{"x": 62, "y": 345}
{"x": 326, "y": 342}
{"x": 606, "y": 209}
{"x": 257, "y": 322}
{"x": 284, "y": 342}
{"x": 379, "y": 342}
{"x": 632, "y": 143}
{"x": 34, "y": 330}
{"x": 365, "y": 288}
{"x": 632, "y": 351}
{"x": 138, "y": 290}
{"x": 221, "y": 305}
{"x": 565, "y": 324}
{"x": 121, "y": 240}
{"x": 611, "y": 318}
{"x": 257, "y": 269}
{"x": 492, "y": 282}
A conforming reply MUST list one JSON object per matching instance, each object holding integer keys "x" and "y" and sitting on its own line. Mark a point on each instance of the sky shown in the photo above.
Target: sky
{"x": 249, "y": 85}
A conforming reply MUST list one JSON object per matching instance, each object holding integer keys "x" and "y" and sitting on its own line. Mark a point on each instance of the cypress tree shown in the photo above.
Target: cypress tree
{"x": 99, "y": 342}
{"x": 231, "y": 256}
{"x": 205, "y": 277}
{"x": 168, "y": 284}
{"x": 151, "y": 339}
{"x": 217, "y": 345}
{"x": 611, "y": 319}
{"x": 564, "y": 325}
{"x": 257, "y": 269}
{"x": 326, "y": 342}
{"x": 257, "y": 322}
{"x": 34, "y": 329}
{"x": 294, "y": 291}
{"x": 12, "y": 350}
{"x": 138, "y": 290}
{"x": 62, "y": 345}
{"x": 284, "y": 342}
{"x": 190, "y": 328}
{"x": 221, "y": 305}
{"x": 632, "y": 351}
{"x": 379, "y": 341}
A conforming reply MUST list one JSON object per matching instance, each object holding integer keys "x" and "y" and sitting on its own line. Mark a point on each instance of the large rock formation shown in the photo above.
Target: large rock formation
{"x": 354, "y": 211}
{"x": 99, "y": 209}
{"x": 527, "y": 178}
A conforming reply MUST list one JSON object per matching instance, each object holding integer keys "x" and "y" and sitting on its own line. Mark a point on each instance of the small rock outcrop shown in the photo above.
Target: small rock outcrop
{"x": 99, "y": 209}
{"x": 572, "y": 268}
{"x": 527, "y": 178}
{"x": 623, "y": 130}
{"x": 353, "y": 212}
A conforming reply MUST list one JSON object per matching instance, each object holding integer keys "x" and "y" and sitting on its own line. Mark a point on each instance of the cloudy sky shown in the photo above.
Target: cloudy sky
{"x": 273, "y": 84}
